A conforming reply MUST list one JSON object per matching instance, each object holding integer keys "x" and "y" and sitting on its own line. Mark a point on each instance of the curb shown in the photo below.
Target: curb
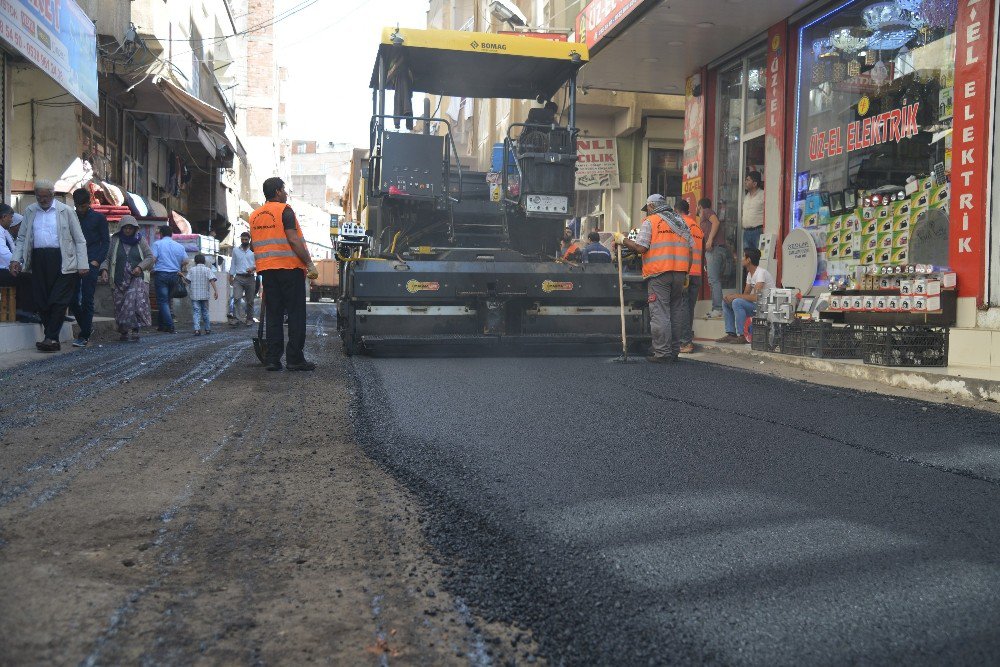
{"x": 967, "y": 388}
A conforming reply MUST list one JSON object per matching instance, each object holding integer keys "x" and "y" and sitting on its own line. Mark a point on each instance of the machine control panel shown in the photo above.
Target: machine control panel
{"x": 546, "y": 204}
{"x": 412, "y": 165}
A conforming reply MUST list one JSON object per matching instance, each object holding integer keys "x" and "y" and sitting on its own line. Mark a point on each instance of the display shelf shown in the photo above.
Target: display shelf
{"x": 945, "y": 317}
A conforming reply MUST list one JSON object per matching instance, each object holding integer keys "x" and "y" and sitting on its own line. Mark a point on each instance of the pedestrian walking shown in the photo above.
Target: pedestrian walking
{"x": 128, "y": 259}
{"x": 715, "y": 253}
{"x": 171, "y": 258}
{"x": 242, "y": 279}
{"x": 665, "y": 244}
{"x": 694, "y": 280}
{"x": 283, "y": 260}
{"x": 95, "y": 230}
{"x": 753, "y": 209}
{"x": 52, "y": 248}
{"x": 201, "y": 279}
{"x": 739, "y": 307}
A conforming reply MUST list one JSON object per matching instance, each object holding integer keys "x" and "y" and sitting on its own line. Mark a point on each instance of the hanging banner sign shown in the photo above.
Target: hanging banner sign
{"x": 692, "y": 184}
{"x": 597, "y": 164}
{"x": 974, "y": 32}
{"x": 895, "y": 125}
{"x": 59, "y": 38}
{"x": 774, "y": 127}
{"x": 600, "y": 17}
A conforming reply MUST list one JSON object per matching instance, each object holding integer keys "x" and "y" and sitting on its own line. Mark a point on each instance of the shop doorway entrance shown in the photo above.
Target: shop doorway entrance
{"x": 740, "y": 146}
{"x": 665, "y": 170}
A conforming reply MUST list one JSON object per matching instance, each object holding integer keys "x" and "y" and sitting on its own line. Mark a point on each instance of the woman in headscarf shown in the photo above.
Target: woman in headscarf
{"x": 128, "y": 258}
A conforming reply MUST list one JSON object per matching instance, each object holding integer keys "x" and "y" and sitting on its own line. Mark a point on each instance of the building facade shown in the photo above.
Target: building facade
{"x": 873, "y": 124}
{"x": 139, "y": 102}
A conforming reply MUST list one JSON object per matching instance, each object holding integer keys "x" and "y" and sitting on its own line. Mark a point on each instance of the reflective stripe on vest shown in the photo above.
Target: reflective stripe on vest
{"x": 668, "y": 251}
{"x": 271, "y": 249}
{"x": 698, "y": 252}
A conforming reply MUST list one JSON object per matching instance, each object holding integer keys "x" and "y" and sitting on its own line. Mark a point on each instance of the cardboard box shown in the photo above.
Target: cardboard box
{"x": 948, "y": 279}
{"x": 905, "y": 303}
{"x": 892, "y": 303}
{"x": 846, "y": 251}
{"x": 901, "y": 223}
{"x": 881, "y": 303}
{"x": 906, "y": 287}
{"x": 833, "y": 239}
{"x": 933, "y": 287}
{"x": 933, "y": 303}
{"x": 901, "y": 208}
{"x": 857, "y": 303}
{"x": 836, "y": 303}
{"x": 919, "y": 304}
{"x": 869, "y": 227}
{"x": 900, "y": 255}
{"x": 869, "y": 256}
{"x": 939, "y": 196}
{"x": 885, "y": 226}
{"x": 884, "y": 282}
{"x": 868, "y": 303}
{"x": 901, "y": 239}
{"x": 920, "y": 287}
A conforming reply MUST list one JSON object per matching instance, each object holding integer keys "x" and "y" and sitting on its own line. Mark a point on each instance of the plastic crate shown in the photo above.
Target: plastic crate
{"x": 760, "y": 335}
{"x": 905, "y": 345}
{"x": 792, "y": 339}
{"x": 823, "y": 340}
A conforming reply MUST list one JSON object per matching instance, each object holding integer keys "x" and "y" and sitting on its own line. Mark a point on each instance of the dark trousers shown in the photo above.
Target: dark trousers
{"x": 53, "y": 289}
{"x": 691, "y": 300}
{"x": 26, "y": 293}
{"x": 83, "y": 305}
{"x": 7, "y": 280}
{"x": 165, "y": 282}
{"x": 285, "y": 293}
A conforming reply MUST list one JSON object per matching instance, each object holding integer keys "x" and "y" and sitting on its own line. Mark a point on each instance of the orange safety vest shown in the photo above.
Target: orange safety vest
{"x": 698, "y": 253}
{"x": 573, "y": 247}
{"x": 271, "y": 249}
{"x": 668, "y": 251}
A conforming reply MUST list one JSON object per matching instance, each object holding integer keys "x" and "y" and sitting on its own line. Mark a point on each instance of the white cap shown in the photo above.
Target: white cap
{"x": 654, "y": 201}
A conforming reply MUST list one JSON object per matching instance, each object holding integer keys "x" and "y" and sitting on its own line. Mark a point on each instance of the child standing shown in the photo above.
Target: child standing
{"x": 201, "y": 278}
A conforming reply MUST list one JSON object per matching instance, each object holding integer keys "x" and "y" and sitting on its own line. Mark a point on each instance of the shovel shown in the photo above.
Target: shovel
{"x": 259, "y": 344}
{"x": 621, "y": 304}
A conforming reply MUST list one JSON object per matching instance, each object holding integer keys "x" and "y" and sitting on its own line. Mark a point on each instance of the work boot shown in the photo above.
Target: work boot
{"x": 653, "y": 359}
{"x": 729, "y": 338}
{"x": 272, "y": 366}
{"x": 302, "y": 366}
{"x": 687, "y": 348}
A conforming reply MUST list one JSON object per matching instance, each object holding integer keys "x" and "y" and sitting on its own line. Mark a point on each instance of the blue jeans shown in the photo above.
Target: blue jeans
{"x": 165, "y": 282}
{"x": 82, "y": 306}
{"x": 751, "y": 237}
{"x": 199, "y": 309}
{"x": 715, "y": 262}
{"x": 736, "y": 313}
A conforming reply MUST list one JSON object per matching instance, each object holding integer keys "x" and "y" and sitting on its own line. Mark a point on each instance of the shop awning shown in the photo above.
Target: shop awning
{"x": 191, "y": 105}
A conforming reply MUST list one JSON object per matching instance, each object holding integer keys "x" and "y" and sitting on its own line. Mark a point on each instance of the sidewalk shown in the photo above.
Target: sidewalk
{"x": 964, "y": 382}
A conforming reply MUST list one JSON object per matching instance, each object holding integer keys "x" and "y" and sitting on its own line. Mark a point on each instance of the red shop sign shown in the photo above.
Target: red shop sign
{"x": 970, "y": 166}
{"x": 599, "y": 17}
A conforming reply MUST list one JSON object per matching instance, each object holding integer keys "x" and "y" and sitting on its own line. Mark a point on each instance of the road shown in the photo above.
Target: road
{"x": 697, "y": 513}
{"x": 172, "y": 504}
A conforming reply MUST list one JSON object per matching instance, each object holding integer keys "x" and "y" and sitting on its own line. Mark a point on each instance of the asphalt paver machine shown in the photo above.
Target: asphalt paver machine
{"x": 448, "y": 259}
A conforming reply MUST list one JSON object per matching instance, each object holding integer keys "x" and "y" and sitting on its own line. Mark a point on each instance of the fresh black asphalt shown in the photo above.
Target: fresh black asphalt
{"x": 693, "y": 513}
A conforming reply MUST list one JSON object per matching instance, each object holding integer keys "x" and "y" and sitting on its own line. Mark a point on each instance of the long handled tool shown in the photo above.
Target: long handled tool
{"x": 259, "y": 343}
{"x": 621, "y": 304}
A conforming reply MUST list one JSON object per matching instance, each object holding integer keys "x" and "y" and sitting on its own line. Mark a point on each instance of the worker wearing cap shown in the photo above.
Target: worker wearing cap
{"x": 665, "y": 243}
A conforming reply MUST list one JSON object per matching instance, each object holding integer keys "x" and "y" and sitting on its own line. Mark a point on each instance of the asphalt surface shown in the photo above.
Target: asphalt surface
{"x": 646, "y": 514}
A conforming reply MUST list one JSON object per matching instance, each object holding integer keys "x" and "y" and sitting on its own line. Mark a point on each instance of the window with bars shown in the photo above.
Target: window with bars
{"x": 135, "y": 157}
{"x": 99, "y": 139}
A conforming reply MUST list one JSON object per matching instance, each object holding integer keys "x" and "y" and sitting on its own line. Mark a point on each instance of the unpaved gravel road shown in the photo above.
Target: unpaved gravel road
{"x": 172, "y": 503}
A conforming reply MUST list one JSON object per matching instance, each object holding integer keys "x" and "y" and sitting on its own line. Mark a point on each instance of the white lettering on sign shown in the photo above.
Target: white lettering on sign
{"x": 965, "y": 244}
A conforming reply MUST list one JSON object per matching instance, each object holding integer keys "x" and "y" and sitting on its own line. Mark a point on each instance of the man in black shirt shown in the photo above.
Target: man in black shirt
{"x": 95, "y": 230}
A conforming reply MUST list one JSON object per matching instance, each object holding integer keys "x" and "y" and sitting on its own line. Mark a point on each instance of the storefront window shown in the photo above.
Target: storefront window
{"x": 873, "y": 133}
{"x": 729, "y": 182}
{"x": 665, "y": 171}
{"x": 756, "y": 92}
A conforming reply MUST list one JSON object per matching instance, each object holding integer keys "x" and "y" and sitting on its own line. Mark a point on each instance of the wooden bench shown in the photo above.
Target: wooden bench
{"x": 8, "y": 304}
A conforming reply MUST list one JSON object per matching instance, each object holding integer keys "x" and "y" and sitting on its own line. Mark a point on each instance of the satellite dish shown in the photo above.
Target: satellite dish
{"x": 799, "y": 261}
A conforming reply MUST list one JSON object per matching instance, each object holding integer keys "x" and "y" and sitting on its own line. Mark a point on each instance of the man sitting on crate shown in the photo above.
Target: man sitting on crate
{"x": 736, "y": 308}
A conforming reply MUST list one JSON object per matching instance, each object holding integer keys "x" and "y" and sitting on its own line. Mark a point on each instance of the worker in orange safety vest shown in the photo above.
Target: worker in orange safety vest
{"x": 665, "y": 244}
{"x": 284, "y": 263}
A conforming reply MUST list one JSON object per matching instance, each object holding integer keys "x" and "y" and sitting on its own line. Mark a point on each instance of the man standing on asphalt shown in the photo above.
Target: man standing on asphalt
{"x": 665, "y": 244}
{"x": 738, "y": 307}
{"x": 753, "y": 210}
{"x": 694, "y": 283}
{"x": 283, "y": 260}
{"x": 242, "y": 279}
{"x": 95, "y": 230}
{"x": 170, "y": 260}
{"x": 52, "y": 248}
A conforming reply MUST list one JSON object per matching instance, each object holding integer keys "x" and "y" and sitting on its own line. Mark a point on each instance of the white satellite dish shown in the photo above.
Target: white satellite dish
{"x": 799, "y": 261}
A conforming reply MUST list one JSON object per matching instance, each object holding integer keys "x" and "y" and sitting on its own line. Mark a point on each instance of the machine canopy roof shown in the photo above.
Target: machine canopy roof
{"x": 474, "y": 64}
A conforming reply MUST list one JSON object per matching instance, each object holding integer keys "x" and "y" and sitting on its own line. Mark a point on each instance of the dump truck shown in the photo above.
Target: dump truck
{"x": 327, "y": 284}
{"x": 451, "y": 260}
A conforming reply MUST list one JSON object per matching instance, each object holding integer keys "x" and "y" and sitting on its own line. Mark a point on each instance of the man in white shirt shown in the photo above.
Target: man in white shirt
{"x": 736, "y": 308}
{"x": 241, "y": 278}
{"x": 7, "y": 246}
{"x": 52, "y": 248}
{"x": 753, "y": 210}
